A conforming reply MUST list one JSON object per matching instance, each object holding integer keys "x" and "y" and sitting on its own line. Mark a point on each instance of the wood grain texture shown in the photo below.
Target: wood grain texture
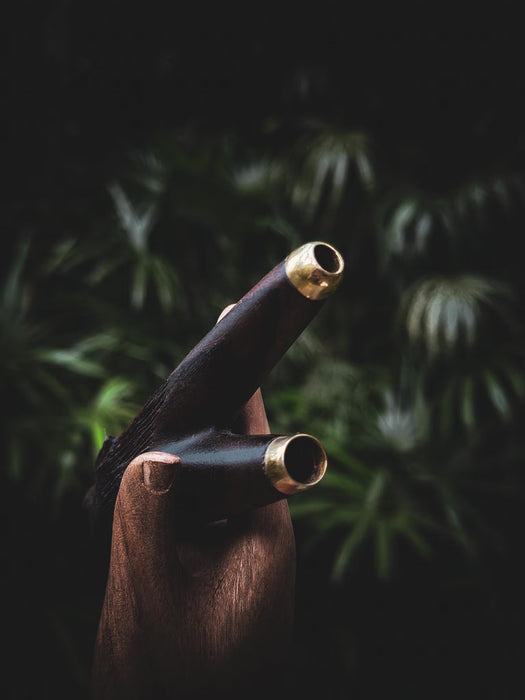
{"x": 212, "y": 383}
{"x": 198, "y": 607}
{"x": 205, "y": 613}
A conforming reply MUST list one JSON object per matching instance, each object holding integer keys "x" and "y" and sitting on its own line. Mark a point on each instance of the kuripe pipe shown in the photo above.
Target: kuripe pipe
{"x": 224, "y": 474}
{"x": 212, "y": 383}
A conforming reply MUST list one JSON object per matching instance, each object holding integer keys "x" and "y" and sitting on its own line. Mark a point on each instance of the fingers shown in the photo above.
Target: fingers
{"x": 158, "y": 471}
{"x": 147, "y": 481}
{"x": 225, "y": 311}
{"x": 252, "y": 419}
{"x": 143, "y": 525}
{"x": 142, "y": 570}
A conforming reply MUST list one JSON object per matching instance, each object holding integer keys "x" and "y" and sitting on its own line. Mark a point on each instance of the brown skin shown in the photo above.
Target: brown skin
{"x": 200, "y": 614}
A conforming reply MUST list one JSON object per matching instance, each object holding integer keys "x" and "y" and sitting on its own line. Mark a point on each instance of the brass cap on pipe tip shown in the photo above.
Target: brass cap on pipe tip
{"x": 294, "y": 462}
{"x": 315, "y": 269}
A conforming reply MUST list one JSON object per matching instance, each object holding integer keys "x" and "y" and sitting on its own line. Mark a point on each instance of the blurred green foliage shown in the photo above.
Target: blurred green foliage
{"x": 413, "y": 375}
{"x": 403, "y": 386}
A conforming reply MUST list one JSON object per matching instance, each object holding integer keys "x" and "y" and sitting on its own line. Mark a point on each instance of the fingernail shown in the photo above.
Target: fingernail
{"x": 158, "y": 476}
{"x": 225, "y": 312}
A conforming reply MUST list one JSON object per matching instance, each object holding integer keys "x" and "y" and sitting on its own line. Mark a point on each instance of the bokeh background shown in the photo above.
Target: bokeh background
{"x": 158, "y": 160}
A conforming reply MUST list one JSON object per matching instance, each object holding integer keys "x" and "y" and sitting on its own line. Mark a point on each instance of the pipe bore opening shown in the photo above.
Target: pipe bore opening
{"x": 315, "y": 269}
{"x": 327, "y": 258}
{"x": 293, "y": 463}
{"x": 305, "y": 459}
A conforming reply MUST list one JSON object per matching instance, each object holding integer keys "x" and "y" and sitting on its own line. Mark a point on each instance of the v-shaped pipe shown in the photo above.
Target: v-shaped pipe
{"x": 192, "y": 415}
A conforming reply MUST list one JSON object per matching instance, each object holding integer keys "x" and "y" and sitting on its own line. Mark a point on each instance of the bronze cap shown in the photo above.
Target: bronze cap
{"x": 315, "y": 269}
{"x": 294, "y": 462}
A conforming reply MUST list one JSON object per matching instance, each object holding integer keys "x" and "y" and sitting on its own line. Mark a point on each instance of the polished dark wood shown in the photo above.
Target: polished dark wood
{"x": 213, "y": 382}
{"x": 223, "y": 475}
{"x": 200, "y": 587}
{"x": 201, "y": 612}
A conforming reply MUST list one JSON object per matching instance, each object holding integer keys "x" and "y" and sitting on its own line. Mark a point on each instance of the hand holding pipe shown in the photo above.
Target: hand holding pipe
{"x": 201, "y": 611}
{"x": 194, "y": 605}
{"x": 193, "y": 413}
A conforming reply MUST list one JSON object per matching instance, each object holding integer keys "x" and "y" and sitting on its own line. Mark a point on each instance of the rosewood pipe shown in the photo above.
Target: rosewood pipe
{"x": 199, "y": 610}
{"x": 215, "y": 380}
{"x": 225, "y": 474}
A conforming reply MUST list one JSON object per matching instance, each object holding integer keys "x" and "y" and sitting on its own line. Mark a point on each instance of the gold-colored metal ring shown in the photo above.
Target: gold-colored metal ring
{"x": 315, "y": 269}
{"x": 295, "y": 462}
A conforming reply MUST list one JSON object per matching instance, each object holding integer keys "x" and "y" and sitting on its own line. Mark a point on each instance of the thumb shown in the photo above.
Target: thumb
{"x": 142, "y": 571}
{"x": 158, "y": 471}
{"x": 144, "y": 534}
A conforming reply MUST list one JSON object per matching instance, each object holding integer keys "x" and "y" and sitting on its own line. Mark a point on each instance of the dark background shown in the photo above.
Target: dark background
{"x": 439, "y": 91}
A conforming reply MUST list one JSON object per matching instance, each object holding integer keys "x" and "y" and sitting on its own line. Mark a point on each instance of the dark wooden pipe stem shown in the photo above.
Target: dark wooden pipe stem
{"x": 199, "y": 594}
{"x": 217, "y": 378}
{"x": 223, "y": 474}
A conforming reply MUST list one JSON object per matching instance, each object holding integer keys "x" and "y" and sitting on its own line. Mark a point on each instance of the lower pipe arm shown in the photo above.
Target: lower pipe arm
{"x": 223, "y": 474}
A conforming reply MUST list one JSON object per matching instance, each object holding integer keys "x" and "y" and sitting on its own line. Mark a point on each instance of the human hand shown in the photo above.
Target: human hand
{"x": 200, "y": 611}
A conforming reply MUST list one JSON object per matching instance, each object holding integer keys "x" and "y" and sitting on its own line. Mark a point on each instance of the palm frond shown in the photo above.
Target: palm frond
{"x": 110, "y": 410}
{"x": 480, "y": 202}
{"x": 13, "y": 297}
{"x": 402, "y": 428}
{"x": 413, "y": 227}
{"x": 150, "y": 171}
{"x": 489, "y": 392}
{"x": 328, "y": 163}
{"x": 255, "y": 177}
{"x": 136, "y": 222}
{"x": 444, "y": 314}
{"x": 350, "y": 544}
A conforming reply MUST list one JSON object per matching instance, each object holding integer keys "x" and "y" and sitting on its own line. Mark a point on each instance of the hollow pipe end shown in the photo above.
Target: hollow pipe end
{"x": 294, "y": 462}
{"x": 315, "y": 269}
